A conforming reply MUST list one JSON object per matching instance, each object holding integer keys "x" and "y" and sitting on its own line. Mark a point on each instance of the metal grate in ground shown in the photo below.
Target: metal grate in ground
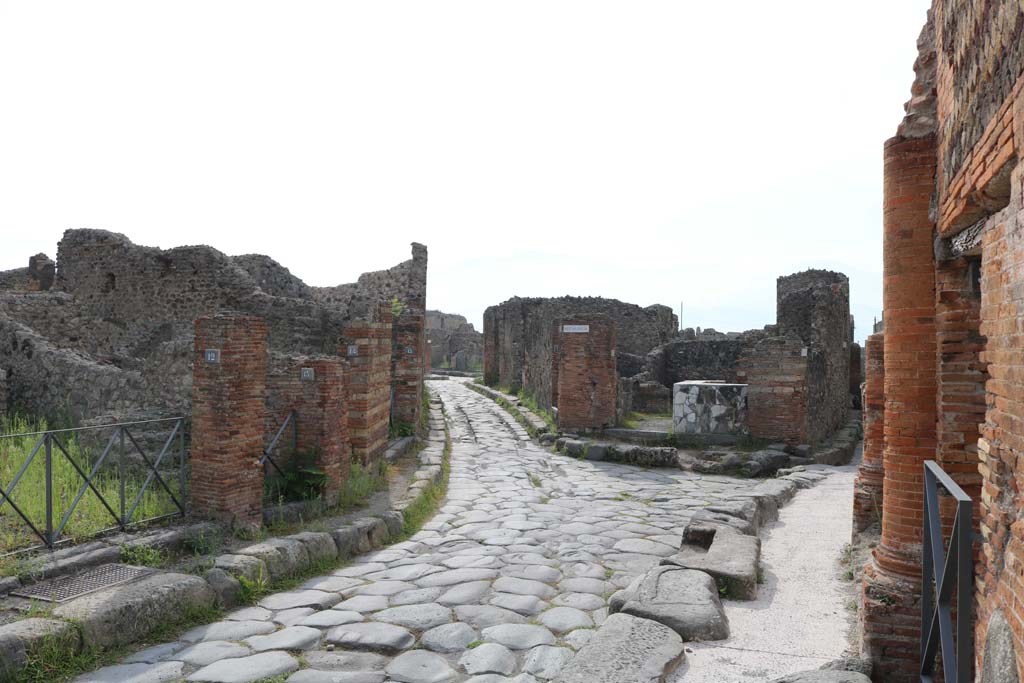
{"x": 65, "y": 588}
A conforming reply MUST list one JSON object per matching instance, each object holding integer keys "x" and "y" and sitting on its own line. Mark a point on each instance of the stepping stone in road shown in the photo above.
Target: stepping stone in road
{"x": 247, "y": 669}
{"x": 729, "y": 556}
{"x": 685, "y": 600}
{"x": 626, "y": 649}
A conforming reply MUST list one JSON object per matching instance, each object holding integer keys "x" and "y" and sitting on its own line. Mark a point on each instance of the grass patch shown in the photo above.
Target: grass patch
{"x": 535, "y": 480}
{"x": 428, "y": 502}
{"x": 143, "y": 555}
{"x": 543, "y": 413}
{"x": 90, "y": 516}
{"x": 54, "y": 659}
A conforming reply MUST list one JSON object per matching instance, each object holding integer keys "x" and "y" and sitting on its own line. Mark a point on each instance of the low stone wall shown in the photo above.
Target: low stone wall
{"x": 709, "y": 408}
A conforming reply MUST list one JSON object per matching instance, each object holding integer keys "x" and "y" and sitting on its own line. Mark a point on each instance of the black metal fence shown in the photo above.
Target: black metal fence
{"x": 945, "y": 567}
{"x": 59, "y": 484}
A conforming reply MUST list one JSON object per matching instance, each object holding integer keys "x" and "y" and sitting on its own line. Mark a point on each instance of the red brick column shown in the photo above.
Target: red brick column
{"x": 228, "y": 395}
{"x": 867, "y": 489}
{"x": 891, "y": 591}
{"x": 314, "y": 388}
{"x": 409, "y": 348}
{"x": 367, "y": 347}
{"x": 775, "y": 371}
{"x": 588, "y": 380}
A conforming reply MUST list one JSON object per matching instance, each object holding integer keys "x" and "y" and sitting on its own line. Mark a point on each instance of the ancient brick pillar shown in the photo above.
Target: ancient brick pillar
{"x": 228, "y": 395}
{"x": 775, "y": 370}
{"x": 314, "y": 390}
{"x": 892, "y": 580}
{"x": 367, "y": 347}
{"x": 491, "y": 347}
{"x": 409, "y": 351}
{"x": 587, "y": 375}
{"x": 41, "y": 271}
{"x": 867, "y": 490}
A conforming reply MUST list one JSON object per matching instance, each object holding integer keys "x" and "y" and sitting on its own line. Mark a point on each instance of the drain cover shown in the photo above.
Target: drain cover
{"x": 67, "y": 587}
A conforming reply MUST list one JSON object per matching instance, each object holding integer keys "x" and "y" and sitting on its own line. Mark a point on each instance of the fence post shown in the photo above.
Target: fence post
{"x": 182, "y": 480}
{"x": 49, "y": 490}
{"x": 120, "y": 476}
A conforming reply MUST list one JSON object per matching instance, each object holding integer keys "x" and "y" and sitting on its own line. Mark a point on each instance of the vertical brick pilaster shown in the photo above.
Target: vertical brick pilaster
{"x": 775, "y": 370}
{"x": 409, "y": 349}
{"x": 867, "y": 489}
{"x": 891, "y": 593}
{"x": 228, "y": 395}
{"x": 367, "y": 347}
{"x": 588, "y": 380}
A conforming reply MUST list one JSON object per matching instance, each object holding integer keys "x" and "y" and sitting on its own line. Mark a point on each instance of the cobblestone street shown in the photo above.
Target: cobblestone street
{"x": 504, "y": 583}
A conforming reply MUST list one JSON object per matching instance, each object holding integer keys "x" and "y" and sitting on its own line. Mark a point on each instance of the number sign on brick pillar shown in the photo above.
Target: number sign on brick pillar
{"x": 228, "y": 403}
{"x": 314, "y": 388}
{"x": 867, "y": 490}
{"x": 408, "y": 351}
{"x": 588, "y": 380}
{"x": 367, "y": 347}
{"x": 891, "y": 619}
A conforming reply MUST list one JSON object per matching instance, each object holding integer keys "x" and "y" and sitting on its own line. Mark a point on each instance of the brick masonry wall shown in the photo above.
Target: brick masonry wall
{"x": 587, "y": 377}
{"x": 1000, "y": 589}
{"x": 775, "y": 370}
{"x": 228, "y": 398}
{"x": 867, "y": 489}
{"x": 408, "y": 354}
{"x": 891, "y": 591}
{"x": 856, "y": 373}
{"x": 321, "y": 414}
{"x": 366, "y": 345}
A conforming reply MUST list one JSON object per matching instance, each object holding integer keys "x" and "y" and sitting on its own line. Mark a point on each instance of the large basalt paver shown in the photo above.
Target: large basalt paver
{"x": 685, "y": 600}
{"x": 523, "y": 555}
{"x": 625, "y": 649}
{"x": 732, "y": 559}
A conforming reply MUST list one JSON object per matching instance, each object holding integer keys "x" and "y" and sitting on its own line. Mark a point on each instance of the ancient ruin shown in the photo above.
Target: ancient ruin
{"x": 454, "y": 343}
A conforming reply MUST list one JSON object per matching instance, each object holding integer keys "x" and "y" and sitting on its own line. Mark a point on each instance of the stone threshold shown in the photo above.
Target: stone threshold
{"x": 124, "y": 614}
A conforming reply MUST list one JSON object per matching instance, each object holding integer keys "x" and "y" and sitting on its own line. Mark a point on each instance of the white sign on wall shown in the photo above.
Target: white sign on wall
{"x": 576, "y": 329}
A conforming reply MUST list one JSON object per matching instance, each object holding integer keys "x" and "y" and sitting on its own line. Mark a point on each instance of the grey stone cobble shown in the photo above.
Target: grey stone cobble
{"x": 522, "y": 557}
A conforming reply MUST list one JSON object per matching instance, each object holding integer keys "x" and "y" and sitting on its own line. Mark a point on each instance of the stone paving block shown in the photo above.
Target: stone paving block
{"x": 488, "y": 658}
{"x": 420, "y": 666}
{"x": 823, "y": 677}
{"x": 375, "y": 637}
{"x": 290, "y": 638}
{"x": 685, "y": 600}
{"x": 731, "y": 558}
{"x": 135, "y": 673}
{"x": 319, "y": 546}
{"x": 247, "y": 669}
{"x": 626, "y": 649}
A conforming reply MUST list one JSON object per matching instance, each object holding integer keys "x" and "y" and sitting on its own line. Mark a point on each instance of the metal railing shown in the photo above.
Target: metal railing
{"x": 943, "y": 569}
{"x": 268, "y": 452}
{"x": 54, "y": 446}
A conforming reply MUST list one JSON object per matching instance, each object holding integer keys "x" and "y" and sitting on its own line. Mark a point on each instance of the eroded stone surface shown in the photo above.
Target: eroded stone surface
{"x": 685, "y": 600}
{"x": 625, "y": 649}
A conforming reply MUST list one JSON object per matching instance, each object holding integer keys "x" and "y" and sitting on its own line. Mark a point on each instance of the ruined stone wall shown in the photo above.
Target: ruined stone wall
{"x": 519, "y": 351}
{"x": 815, "y": 306}
{"x": 454, "y": 343}
{"x": 685, "y": 359}
{"x": 14, "y": 280}
{"x": 775, "y": 371}
{"x": 124, "y": 313}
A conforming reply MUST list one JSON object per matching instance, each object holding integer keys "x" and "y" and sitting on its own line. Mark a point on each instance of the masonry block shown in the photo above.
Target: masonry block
{"x": 366, "y": 345}
{"x": 867, "y": 489}
{"x": 409, "y": 358}
{"x": 776, "y": 374}
{"x": 228, "y": 404}
{"x": 587, "y": 376}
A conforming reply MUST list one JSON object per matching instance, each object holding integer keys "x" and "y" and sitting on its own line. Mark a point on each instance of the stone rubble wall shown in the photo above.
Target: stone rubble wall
{"x": 113, "y": 336}
{"x": 709, "y": 408}
{"x": 454, "y": 343}
{"x": 518, "y": 347}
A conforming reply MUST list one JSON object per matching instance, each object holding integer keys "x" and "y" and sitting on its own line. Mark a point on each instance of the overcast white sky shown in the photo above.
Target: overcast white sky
{"x": 654, "y": 152}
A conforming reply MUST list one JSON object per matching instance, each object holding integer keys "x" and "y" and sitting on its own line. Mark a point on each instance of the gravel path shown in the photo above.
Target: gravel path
{"x": 506, "y": 581}
{"x": 800, "y": 619}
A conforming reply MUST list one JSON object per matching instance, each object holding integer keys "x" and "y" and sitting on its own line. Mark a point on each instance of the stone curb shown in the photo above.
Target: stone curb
{"x": 533, "y": 424}
{"x": 123, "y": 614}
